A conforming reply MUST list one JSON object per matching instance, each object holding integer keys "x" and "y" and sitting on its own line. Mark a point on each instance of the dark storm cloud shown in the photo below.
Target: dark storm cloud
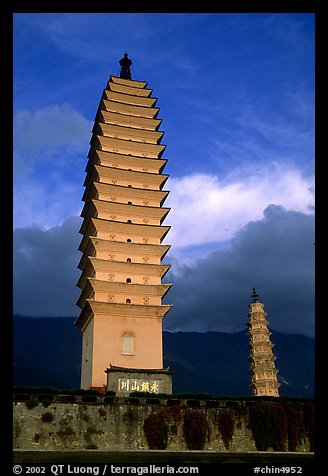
{"x": 275, "y": 255}
{"x": 45, "y": 270}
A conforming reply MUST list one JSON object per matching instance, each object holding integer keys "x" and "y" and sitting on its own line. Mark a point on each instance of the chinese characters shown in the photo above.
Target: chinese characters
{"x": 138, "y": 385}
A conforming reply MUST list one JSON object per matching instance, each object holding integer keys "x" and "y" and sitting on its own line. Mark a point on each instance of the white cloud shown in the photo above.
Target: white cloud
{"x": 40, "y": 135}
{"x": 50, "y": 154}
{"x": 205, "y": 209}
{"x": 46, "y": 203}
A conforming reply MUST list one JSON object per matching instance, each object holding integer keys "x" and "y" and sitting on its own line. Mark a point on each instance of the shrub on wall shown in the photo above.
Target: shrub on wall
{"x": 102, "y": 412}
{"x": 82, "y": 391}
{"x": 65, "y": 429}
{"x": 110, "y": 393}
{"x": 31, "y": 403}
{"x": 309, "y": 422}
{"x": 47, "y": 417}
{"x": 176, "y": 412}
{"x": 226, "y": 426}
{"x": 296, "y": 431}
{"x": 268, "y": 422}
{"x": 46, "y": 402}
{"x": 195, "y": 428}
{"x": 156, "y": 431}
{"x": 282, "y": 424}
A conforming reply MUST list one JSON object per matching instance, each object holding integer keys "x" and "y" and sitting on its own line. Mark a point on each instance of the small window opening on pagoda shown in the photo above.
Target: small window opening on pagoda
{"x": 128, "y": 260}
{"x": 128, "y": 301}
{"x": 128, "y": 280}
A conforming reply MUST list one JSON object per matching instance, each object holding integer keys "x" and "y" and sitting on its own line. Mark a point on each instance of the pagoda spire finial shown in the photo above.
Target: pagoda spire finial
{"x": 255, "y": 296}
{"x": 125, "y": 63}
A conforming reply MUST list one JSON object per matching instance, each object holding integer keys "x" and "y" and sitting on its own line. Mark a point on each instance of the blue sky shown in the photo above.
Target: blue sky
{"x": 236, "y": 98}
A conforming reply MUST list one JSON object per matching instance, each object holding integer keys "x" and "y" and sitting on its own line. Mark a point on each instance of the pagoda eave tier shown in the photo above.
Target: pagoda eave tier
{"x": 115, "y": 160}
{"x": 101, "y": 270}
{"x": 127, "y": 147}
{"x": 110, "y": 192}
{"x": 108, "y": 310}
{"x": 129, "y": 109}
{"x": 96, "y": 287}
{"x": 125, "y": 178}
{"x": 96, "y": 225}
{"x": 122, "y": 88}
{"x": 259, "y": 332}
{"x": 137, "y": 213}
{"x": 127, "y": 133}
{"x": 131, "y": 99}
{"x": 265, "y": 383}
{"x": 259, "y": 345}
{"x": 256, "y": 310}
{"x": 260, "y": 361}
{"x": 97, "y": 245}
{"x": 121, "y": 267}
{"x": 104, "y": 114}
{"x": 115, "y": 231}
{"x": 129, "y": 82}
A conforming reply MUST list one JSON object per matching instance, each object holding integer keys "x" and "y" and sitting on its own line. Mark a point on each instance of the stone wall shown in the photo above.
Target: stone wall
{"x": 54, "y": 422}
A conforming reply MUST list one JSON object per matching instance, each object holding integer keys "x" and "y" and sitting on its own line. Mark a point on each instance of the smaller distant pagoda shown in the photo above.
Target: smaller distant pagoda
{"x": 263, "y": 372}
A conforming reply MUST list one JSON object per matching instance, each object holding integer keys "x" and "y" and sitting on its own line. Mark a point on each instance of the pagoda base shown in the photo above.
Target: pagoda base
{"x": 123, "y": 381}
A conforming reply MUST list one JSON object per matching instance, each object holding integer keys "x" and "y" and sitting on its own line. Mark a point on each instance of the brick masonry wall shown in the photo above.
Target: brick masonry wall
{"x": 117, "y": 423}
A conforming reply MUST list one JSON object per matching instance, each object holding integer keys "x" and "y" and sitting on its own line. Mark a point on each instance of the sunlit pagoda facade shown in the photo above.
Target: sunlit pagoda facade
{"x": 263, "y": 371}
{"x": 122, "y": 251}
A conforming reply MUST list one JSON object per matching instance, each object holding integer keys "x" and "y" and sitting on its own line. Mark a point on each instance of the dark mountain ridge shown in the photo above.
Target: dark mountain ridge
{"x": 47, "y": 353}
